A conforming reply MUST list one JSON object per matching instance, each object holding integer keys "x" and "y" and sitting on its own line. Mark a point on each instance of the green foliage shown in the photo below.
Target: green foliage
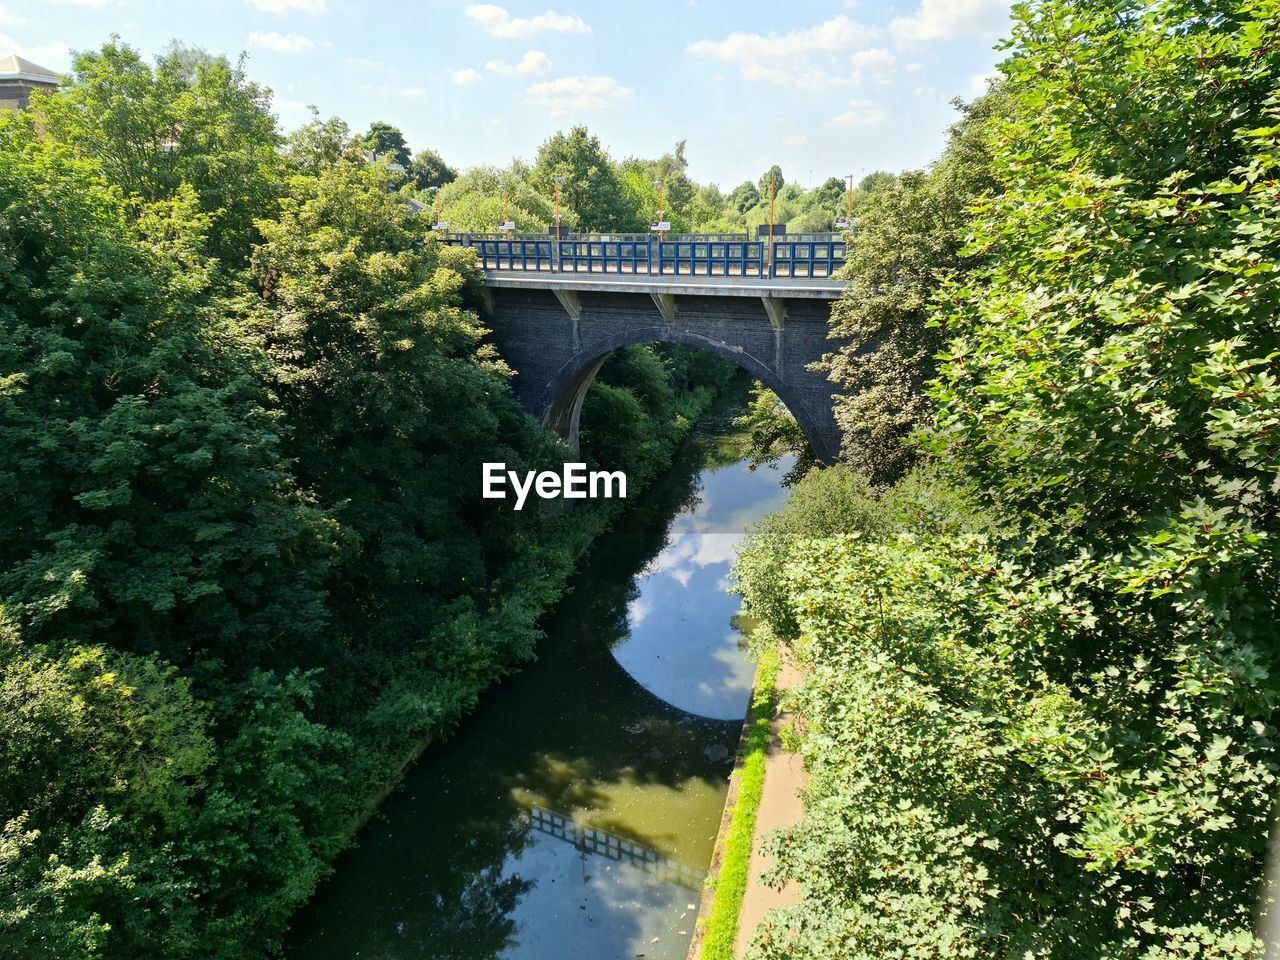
{"x": 744, "y": 197}
{"x": 731, "y": 881}
{"x": 430, "y": 171}
{"x": 370, "y": 349}
{"x": 1041, "y": 698}
{"x": 98, "y": 726}
{"x": 909, "y": 237}
{"x": 770, "y": 180}
{"x": 642, "y": 403}
{"x": 825, "y": 503}
{"x": 474, "y": 202}
{"x": 774, "y": 433}
{"x": 242, "y": 579}
{"x": 591, "y": 191}
{"x": 601, "y": 195}
{"x": 387, "y": 141}
{"x": 193, "y": 120}
{"x": 678, "y": 190}
{"x": 149, "y": 498}
{"x": 319, "y": 143}
{"x": 99, "y": 747}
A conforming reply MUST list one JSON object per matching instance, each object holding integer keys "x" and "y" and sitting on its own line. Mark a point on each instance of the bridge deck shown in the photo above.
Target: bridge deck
{"x": 651, "y": 283}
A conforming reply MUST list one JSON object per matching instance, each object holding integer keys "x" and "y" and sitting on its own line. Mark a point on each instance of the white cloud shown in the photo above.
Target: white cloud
{"x": 369, "y": 66}
{"x": 565, "y": 94}
{"x": 944, "y": 19}
{"x": 874, "y": 59}
{"x": 914, "y": 66}
{"x": 499, "y": 23}
{"x": 796, "y": 141}
{"x": 55, "y": 55}
{"x": 412, "y": 91}
{"x": 637, "y": 610}
{"x": 861, "y": 113}
{"x": 805, "y": 58}
{"x": 9, "y": 18}
{"x": 280, "y": 42}
{"x": 876, "y": 63}
{"x": 464, "y": 77}
{"x": 313, "y": 7}
{"x": 80, "y": 3}
{"x": 980, "y": 82}
{"x": 533, "y": 62}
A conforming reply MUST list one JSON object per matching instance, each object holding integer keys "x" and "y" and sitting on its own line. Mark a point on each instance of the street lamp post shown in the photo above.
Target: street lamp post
{"x": 505, "y": 229}
{"x": 847, "y": 223}
{"x": 558, "y": 182}
{"x": 661, "y": 185}
{"x": 772, "y": 194}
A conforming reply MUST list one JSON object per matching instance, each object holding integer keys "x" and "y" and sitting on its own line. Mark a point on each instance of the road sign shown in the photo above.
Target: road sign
{"x": 842, "y": 224}
{"x": 659, "y": 225}
{"x": 506, "y": 225}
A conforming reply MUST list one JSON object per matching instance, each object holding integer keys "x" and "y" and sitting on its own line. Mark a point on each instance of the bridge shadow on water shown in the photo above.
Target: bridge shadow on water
{"x": 575, "y": 809}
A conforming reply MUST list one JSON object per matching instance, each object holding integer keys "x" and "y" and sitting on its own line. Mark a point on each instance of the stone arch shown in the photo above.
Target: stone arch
{"x": 560, "y": 401}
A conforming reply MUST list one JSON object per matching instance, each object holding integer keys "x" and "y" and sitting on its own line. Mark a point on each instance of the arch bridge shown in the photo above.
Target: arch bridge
{"x": 561, "y": 305}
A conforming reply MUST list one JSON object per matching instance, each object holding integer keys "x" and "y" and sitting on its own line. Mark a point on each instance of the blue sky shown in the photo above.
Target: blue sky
{"x": 822, "y": 88}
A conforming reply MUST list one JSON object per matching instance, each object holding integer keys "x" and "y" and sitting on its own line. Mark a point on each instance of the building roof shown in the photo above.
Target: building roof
{"x": 14, "y": 67}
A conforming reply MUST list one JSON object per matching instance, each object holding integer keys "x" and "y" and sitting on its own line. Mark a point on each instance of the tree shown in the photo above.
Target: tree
{"x": 1067, "y": 631}
{"x": 818, "y": 208}
{"x": 387, "y": 142}
{"x": 391, "y": 395}
{"x": 474, "y": 201}
{"x": 429, "y": 170}
{"x": 763, "y": 186}
{"x": 640, "y": 176}
{"x": 774, "y": 433}
{"x": 319, "y": 143}
{"x": 591, "y": 190}
{"x": 192, "y": 121}
{"x": 744, "y": 196}
{"x": 151, "y": 501}
{"x": 909, "y": 237}
{"x": 874, "y": 181}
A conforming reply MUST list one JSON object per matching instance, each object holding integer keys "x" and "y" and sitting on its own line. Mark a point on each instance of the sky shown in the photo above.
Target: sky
{"x": 820, "y": 88}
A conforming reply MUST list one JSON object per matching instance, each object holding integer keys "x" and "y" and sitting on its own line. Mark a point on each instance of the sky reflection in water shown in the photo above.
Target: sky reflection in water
{"x": 682, "y": 592}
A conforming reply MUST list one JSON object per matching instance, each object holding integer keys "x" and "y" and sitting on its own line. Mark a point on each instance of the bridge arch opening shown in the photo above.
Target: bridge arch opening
{"x": 564, "y": 395}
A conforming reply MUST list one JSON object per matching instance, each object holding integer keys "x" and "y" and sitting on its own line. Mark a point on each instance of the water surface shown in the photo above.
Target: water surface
{"x": 574, "y": 813}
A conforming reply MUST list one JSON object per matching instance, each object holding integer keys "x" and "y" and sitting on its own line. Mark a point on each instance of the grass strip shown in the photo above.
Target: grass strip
{"x": 731, "y": 882}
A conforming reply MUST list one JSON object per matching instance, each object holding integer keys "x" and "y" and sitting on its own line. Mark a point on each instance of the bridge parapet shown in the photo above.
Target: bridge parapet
{"x": 816, "y": 256}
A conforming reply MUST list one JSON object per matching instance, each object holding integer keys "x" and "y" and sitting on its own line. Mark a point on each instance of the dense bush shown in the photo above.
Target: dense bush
{"x": 1041, "y": 706}
{"x": 909, "y": 238}
{"x": 240, "y": 579}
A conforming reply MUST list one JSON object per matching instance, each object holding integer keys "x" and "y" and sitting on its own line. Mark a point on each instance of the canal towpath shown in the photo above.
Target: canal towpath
{"x": 780, "y": 806}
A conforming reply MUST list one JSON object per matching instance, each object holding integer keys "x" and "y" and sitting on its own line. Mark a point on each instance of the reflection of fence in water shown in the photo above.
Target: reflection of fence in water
{"x": 605, "y": 844}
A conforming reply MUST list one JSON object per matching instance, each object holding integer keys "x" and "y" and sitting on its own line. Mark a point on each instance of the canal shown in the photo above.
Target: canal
{"x": 573, "y": 814}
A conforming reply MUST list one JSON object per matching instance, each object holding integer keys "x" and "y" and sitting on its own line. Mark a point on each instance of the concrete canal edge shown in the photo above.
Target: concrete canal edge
{"x": 715, "y": 928}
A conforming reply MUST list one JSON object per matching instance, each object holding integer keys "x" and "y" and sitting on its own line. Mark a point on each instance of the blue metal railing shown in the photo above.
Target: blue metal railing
{"x": 814, "y": 256}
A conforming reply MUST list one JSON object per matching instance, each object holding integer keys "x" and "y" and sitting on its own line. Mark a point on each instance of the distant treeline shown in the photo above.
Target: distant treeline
{"x": 601, "y": 194}
{"x": 242, "y": 567}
